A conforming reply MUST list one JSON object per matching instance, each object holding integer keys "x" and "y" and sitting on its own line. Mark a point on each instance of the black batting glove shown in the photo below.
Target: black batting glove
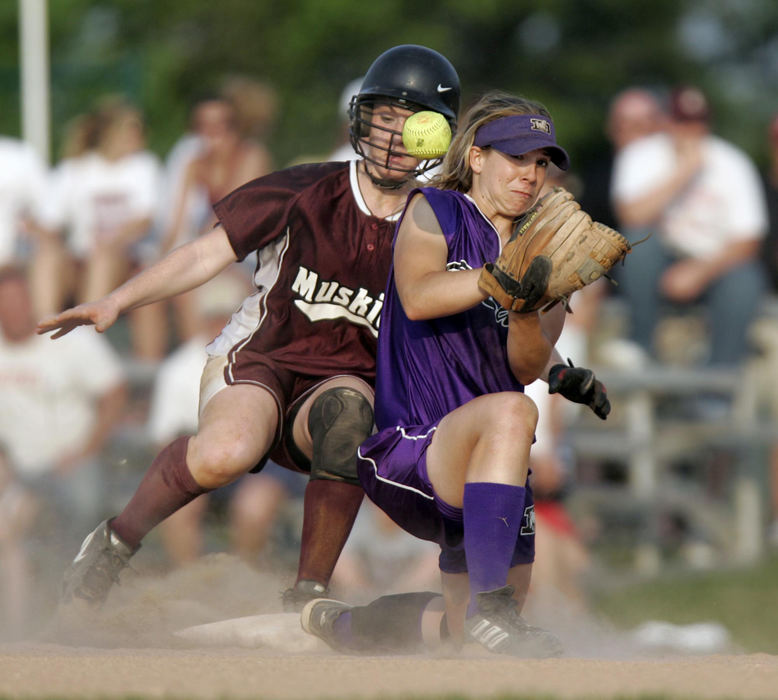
{"x": 579, "y": 385}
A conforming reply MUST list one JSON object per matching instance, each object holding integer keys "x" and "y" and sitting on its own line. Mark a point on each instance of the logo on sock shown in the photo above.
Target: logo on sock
{"x": 528, "y": 523}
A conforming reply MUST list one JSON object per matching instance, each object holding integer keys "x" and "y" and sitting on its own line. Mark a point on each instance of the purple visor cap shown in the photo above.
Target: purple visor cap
{"x": 518, "y": 134}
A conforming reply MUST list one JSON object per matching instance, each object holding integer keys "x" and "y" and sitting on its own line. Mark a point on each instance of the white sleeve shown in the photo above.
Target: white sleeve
{"x": 54, "y": 210}
{"x": 163, "y": 424}
{"x": 638, "y": 168}
{"x": 748, "y": 208}
{"x": 99, "y": 364}
{"x": 174, "y": 404}
{"x": 36, "y": 184}
{"x": 148, "y": 185}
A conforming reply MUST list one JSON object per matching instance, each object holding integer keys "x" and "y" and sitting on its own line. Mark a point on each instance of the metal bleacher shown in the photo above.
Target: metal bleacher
{"x": 656, "y": 425}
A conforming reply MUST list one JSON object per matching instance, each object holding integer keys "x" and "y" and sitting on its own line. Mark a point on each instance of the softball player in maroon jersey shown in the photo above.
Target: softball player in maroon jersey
{"x": 291, "y": 375}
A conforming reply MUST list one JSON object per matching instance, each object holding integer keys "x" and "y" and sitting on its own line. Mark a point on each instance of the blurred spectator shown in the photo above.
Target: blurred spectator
{"x": 194, "y": 204}
{"x": 771, "y": 194}
{"x": 255, "y": 501}
{"x": 769, "y": 339}
{"x": 561, "y": 554}
{"x": 18, "y": 508}
{"x": 23, "y": 193}
{"x": 61, "y": 404}
{"x": 224, "y": 149}
{"x": 632, "y": 113}
{"x": 379, "y": 557}
{"x": 104, "y": 199}
{"x": 703, "y": 199}
{"x": 228, "y": 156}
{"x": 256, "y": 109}
{"x": 344, "y": 150}
{"x": 251, "y": 509}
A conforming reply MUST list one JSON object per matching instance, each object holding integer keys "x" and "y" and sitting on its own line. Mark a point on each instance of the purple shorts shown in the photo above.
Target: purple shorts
{"x": 392, "y": 467}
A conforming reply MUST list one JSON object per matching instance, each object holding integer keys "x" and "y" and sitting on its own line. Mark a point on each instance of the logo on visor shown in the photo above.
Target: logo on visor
{"x": 540, "y": 125}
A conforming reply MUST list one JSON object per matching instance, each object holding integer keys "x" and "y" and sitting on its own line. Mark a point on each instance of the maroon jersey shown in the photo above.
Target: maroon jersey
{"x": 322, "y": 265}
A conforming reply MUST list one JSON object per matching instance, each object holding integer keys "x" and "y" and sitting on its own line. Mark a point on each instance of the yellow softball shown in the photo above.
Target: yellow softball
{"x": 426, "y": 135}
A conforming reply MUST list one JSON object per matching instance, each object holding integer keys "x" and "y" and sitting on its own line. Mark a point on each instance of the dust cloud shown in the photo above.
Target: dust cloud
{"x": 146, "y": 609}
{"x": 149, "y": 606}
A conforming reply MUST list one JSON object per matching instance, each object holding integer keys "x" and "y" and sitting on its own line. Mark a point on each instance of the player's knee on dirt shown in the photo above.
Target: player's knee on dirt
{"x": 339, "y": 421}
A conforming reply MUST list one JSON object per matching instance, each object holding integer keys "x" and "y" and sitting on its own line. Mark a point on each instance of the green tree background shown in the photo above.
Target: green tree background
{"x": 573, "y": 55}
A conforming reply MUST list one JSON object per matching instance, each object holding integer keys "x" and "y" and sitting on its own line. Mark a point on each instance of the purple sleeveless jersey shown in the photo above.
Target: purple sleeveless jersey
{"x": 428, "y": 368}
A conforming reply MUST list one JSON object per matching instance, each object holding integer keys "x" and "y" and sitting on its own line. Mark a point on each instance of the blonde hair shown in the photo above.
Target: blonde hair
{"x": 111, "y": 113}
{"x": 80, "y": 135}
{"x": 95, "y": 129}
{"x": 455, "y": 172}
{"x": 255, "y": 105}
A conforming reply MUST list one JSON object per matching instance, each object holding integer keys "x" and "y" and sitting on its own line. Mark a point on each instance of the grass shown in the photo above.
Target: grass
{"x": 742, "y": 599}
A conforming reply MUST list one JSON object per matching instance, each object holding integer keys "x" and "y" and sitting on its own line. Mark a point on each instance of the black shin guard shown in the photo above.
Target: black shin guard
{"x": 391, "y": 623}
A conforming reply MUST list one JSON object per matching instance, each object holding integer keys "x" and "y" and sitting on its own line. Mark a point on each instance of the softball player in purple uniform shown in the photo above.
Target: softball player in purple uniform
{"x": 291, "y": 375}
{"x": 449, "y": 462}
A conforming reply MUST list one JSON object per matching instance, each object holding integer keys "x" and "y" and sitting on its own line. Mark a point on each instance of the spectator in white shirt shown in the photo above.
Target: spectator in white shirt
{"x": 703, "y": 199}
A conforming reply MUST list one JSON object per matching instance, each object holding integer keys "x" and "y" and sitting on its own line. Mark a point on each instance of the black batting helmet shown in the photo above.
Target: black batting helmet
{"x": 415, "y": 77}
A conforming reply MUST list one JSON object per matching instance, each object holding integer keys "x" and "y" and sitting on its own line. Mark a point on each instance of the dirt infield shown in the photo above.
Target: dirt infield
{"x": 135, "y": 647}
{"x": 41, "y": 671}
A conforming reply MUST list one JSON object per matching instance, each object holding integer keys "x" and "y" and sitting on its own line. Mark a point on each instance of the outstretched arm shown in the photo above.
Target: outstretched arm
{"x": 182, "y": 269}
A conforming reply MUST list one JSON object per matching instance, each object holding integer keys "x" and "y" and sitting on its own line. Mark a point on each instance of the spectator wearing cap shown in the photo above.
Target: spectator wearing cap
{"x": 703, "y": 200}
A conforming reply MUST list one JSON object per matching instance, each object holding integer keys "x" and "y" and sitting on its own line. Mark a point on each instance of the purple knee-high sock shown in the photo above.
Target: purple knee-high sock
{"x": 493, "y": 514}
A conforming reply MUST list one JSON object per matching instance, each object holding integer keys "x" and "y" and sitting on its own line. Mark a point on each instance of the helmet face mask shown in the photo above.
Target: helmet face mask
{"x": 406, "y": 77}
{"x": 381, "y": 143}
